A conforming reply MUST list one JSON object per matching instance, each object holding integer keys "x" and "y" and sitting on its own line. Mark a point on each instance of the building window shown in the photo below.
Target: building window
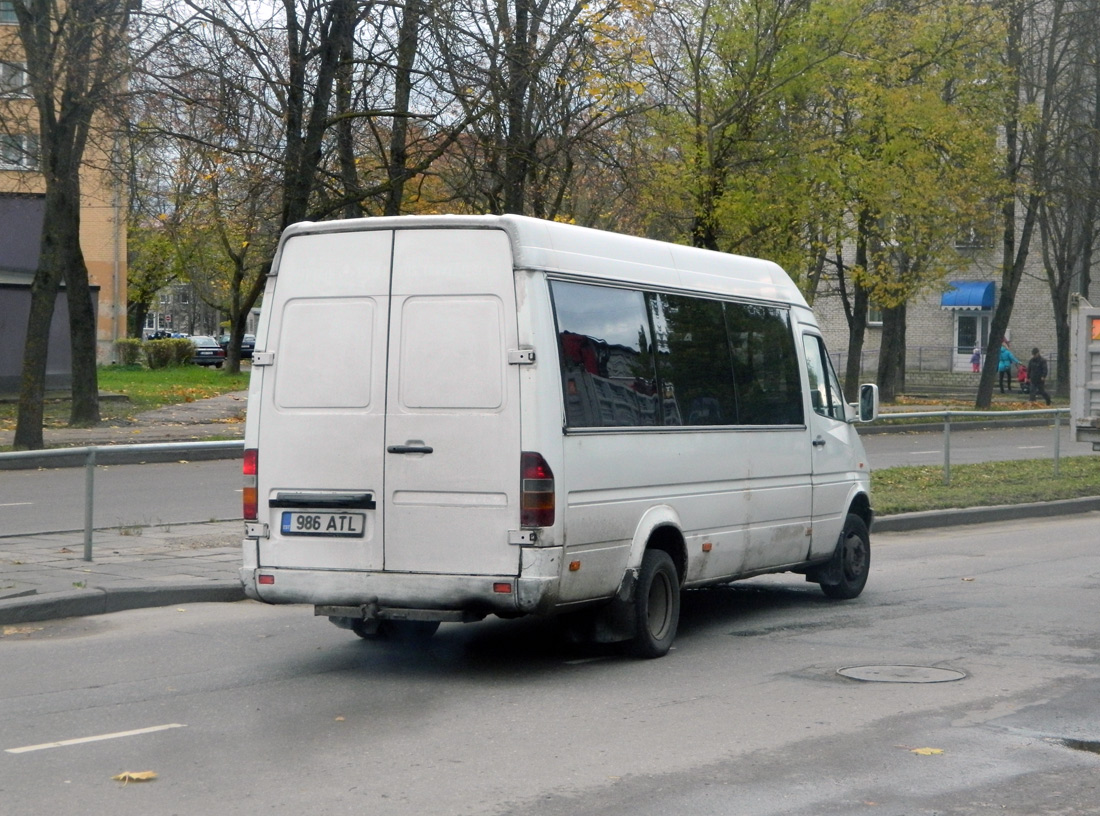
{"x": 7, "y": 13}
{"x": 18, "y": 151}
{"x": 874, "y": 315}
{"x": 13, "y": 79}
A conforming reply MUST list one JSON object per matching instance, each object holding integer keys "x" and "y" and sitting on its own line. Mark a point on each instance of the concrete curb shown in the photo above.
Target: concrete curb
{"x": 29, "y": 608}
{"x": 96, "y": 601}
{"x": 905, "y": 522}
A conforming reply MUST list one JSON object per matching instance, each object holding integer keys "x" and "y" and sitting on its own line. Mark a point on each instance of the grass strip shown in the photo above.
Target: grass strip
{"x": 144, "y": 390}
{"x": 911, "y": 489}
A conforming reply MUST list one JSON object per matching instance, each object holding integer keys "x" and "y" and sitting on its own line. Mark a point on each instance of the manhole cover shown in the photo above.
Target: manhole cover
{"x": 901, "y": 674}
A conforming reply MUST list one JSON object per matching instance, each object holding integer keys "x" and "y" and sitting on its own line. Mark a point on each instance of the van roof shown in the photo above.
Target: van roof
{"x": 555, "y": 247}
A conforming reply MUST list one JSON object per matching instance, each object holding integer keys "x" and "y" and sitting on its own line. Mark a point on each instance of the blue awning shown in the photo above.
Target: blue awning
{"x": 976, "y": 295}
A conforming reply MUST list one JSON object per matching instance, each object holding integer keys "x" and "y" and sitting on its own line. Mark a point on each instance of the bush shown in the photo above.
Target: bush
{"x": 175, "y": 351}
{"x": 129, "y": 351}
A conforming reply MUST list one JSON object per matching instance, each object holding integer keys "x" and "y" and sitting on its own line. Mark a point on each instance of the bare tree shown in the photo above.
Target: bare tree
{"x": 545, "y": 80}
{"x": 75, "y": 63}
{"x": 1070, "y": 206}
{"x": 1034, "y": 57}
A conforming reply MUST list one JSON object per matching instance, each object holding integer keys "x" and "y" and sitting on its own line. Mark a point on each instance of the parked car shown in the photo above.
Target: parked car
{"x": 207, "y": 351}
{"x": 248, "y": 344}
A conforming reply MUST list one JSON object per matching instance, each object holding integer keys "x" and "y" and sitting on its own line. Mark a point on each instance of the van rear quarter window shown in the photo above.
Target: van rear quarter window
{"x": 634, "y": 359}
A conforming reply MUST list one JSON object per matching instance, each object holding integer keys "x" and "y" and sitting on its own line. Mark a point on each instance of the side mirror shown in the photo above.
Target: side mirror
{"x": 868, "y": 402}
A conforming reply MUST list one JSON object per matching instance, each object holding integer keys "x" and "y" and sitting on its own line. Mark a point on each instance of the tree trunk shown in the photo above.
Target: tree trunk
{"x": 407, "y": 45}
{"x": 891, "y": 361}
{"x": 855, "y": 310}
{"x": 32, "y": 388}
{"x": 516, "y": 158}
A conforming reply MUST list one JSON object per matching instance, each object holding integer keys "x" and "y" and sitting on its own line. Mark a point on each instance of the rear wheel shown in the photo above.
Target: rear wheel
{"x": 399, "y": 631}
{"x": 656, "y": 605}
{"x": 846, "y": 574}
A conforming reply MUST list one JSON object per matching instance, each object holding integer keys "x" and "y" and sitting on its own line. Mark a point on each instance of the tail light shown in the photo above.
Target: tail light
{"x": 249, "y": 494}
{"x": 536, "y": 495}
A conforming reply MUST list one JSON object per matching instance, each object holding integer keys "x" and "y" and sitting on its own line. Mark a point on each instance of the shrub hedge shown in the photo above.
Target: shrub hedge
{"x": 174, "y": 351}
{"x": 129, "y": 351}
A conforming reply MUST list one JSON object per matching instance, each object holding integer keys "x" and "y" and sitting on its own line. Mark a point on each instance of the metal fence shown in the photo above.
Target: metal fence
{"x": 91, "y": 456}
{"x": 947, "y": 416}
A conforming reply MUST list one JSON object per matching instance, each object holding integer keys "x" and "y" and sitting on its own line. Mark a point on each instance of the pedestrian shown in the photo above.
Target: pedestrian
{"x": 976, "y": 360}
{"x": 1005, "y": 361}
{"x": 1036, "y": 375}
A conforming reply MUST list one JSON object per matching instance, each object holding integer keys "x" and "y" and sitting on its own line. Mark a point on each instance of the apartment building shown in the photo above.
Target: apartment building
{"x": 22, "y": 206}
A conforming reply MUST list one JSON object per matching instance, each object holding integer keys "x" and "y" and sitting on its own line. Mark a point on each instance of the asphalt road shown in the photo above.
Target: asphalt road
{"x": 970, "y": 447}
{"x": 243, "y": 709}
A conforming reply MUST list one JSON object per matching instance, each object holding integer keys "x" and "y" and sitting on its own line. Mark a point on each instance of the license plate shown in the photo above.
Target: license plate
{"x": 323, "y": 524}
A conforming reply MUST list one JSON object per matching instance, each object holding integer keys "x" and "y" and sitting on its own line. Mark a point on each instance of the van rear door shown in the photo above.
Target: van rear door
{"x": 391, "y": 394}
{"x": 452, "y": 405}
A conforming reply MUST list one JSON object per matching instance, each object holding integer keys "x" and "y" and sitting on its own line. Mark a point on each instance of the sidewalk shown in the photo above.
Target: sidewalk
{"x": 45, "y": 577}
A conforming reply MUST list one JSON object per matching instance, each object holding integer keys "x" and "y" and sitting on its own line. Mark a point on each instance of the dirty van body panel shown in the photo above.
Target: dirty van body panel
{"x": 750, "y": 502}
{"x": 390, "y": 389}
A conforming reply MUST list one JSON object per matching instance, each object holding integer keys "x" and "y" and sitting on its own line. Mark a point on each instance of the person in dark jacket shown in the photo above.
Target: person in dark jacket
{"x": 1036, "y": 376}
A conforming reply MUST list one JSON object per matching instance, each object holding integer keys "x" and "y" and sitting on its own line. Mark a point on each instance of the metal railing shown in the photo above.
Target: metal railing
{"x": 1057, "y": 413}
{"x": 102, "y": 454}
{"x": 99, "y": 454}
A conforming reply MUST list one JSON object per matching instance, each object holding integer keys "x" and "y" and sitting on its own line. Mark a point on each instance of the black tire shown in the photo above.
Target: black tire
{"x": 847, "y": 573}
{"x": 396, "y": 631}
{"x": 368, "y": 630}
{"x": 656, "y": 606}
{"x": 418, "y": 632}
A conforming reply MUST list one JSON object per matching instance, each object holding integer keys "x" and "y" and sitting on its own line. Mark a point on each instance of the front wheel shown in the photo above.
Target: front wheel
{"x": 846, "y": 575}
{"x": 656, "y": 605}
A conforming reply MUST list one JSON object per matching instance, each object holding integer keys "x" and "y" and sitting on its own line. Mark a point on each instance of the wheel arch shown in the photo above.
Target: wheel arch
{"x": 860, "y": 505}
{"x": 660, "y": 528}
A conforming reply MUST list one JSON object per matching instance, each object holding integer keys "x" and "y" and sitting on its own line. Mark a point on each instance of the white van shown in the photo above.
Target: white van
{"x": 457, "y": 416}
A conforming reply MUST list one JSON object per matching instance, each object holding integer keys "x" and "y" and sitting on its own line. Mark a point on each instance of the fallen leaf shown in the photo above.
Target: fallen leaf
{"x": 968, "y": 579}
{"x": 135, "y": 776}
{"x": 339, "y": 719}
{"x": 20, "y": 630}
{"x": 65, "y": 550}
{"x": 926, "y": 751}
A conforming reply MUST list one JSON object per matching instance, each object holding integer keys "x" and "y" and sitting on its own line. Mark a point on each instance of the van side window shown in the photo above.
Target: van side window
{"x": 765, "y": 365}
{"x": 606, "y": 356}
{"x": 630, "y": 360}
{"x": 694, "y": 368}
{"x": 825, "y": 395}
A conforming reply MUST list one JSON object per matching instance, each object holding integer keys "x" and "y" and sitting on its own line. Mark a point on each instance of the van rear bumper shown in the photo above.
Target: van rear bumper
{"x": 478, "y": 594}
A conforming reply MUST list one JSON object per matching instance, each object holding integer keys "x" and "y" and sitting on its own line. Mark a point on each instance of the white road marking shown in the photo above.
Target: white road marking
{"x": 1030, "y": 447}
{"x": 17, "y": 504}
{"x": 924, "y": 453}
{"x": 98, "y": 738}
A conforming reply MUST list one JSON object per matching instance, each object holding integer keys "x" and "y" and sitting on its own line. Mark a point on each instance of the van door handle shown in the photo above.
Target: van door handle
{"x": 410, "y": 449}
{"x": 819, "y": 442}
